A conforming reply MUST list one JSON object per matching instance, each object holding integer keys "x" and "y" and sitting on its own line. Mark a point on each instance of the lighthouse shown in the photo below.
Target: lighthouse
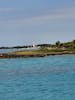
{"x": 34, "y": 45}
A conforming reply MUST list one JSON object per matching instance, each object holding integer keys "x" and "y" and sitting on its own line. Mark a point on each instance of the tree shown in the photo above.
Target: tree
{"x": 57, "y": 43}
{"x": 73, "y": 41}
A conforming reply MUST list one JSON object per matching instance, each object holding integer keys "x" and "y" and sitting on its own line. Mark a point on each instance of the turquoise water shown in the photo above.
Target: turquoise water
{"x": 48, "y": 78}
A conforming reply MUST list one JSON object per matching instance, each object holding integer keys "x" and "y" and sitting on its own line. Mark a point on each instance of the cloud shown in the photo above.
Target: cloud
{"x": 53, "y": 15}
{"x": 47, "y": 16}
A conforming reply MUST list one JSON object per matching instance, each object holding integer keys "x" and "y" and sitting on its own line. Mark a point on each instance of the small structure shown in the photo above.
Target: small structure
{"x": 33, "y": 47}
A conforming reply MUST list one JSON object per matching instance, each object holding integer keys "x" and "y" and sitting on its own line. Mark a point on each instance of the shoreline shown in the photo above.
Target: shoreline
{"x": 14, "y": 55}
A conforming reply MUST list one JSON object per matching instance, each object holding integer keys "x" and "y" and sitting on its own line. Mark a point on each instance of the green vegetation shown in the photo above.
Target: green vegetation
{"x": 44, "y": 49}
{"x": 58, "y": 47}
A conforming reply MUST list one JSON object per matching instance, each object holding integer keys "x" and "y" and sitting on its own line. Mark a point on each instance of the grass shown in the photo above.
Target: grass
{"x": 40, "y": 51}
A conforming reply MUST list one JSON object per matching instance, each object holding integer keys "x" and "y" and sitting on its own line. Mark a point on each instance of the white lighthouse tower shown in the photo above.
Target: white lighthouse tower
{"x": 34, "y": 45}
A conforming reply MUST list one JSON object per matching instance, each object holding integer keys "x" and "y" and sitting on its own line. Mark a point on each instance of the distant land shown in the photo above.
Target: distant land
{"x": 70, "y": 44}
{"x": 40, "y": 50}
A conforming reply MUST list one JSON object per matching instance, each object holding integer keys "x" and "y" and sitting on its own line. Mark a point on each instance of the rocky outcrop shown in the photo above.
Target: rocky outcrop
{"x": 8, "y": 55}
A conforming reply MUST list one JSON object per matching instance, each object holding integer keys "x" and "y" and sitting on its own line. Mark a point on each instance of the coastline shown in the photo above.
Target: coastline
{"x": 15, "y": 55}
{"x": 40, "y": 50}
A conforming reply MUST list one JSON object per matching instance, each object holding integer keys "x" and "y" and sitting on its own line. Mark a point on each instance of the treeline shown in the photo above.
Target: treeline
{"x": 16, "y": 47}
{"x": 58, "y": 44}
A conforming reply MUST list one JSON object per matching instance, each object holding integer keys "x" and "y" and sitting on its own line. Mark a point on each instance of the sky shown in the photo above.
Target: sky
{"x": 23, "y": 22}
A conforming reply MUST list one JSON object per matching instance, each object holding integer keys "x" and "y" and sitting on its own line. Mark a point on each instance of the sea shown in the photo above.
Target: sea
{"x": 39, "y": 78}
{"x": 11, "y": 50}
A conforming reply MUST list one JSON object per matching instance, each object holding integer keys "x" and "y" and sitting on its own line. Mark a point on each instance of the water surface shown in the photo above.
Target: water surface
{"x": 48, "y": 78}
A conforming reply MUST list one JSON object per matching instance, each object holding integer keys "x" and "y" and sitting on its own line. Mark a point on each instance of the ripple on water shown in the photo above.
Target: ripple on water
{"x": 49, "y": 78}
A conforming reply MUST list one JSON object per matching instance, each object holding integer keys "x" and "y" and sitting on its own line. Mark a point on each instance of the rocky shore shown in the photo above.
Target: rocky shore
{"x": 12, "y": 55}
{"x": 40, "y": 50}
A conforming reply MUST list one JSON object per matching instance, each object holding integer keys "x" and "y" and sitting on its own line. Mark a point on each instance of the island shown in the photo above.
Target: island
{"x": 40, "y": 50}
